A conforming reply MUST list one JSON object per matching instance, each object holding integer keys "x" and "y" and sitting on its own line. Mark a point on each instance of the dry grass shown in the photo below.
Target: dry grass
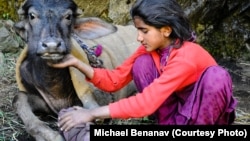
{"x": 243, "y": 118}
{"x": 10, "y": 125}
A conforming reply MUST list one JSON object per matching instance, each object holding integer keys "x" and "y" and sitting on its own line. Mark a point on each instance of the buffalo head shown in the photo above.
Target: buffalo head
{"x": 46, "y": 26}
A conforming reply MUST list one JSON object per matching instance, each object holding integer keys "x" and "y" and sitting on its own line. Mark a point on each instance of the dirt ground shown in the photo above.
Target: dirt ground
{"x": 11, "y": 129}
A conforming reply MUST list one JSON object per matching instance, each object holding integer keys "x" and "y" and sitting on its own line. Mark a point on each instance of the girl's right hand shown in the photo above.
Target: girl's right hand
{"x": 67, "y": 61}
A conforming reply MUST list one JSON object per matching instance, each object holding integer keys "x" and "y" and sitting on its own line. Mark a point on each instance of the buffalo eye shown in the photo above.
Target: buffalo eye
{"x": 31, "y": 16}
{"x": 68, "y": 17}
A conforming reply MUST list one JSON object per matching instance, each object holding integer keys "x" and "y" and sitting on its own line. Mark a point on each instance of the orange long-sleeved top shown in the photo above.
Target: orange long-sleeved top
{"x": 184, "y": 66}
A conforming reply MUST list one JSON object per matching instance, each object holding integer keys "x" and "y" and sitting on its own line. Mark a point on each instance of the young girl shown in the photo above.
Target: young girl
{"x": 177, "y": 79}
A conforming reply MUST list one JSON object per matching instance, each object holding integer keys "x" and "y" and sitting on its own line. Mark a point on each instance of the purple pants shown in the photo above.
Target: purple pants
{"x": 209, "y": 101}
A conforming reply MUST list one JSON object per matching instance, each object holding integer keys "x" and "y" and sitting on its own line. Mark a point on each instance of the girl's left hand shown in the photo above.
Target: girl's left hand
{"x": 74, "y": 117}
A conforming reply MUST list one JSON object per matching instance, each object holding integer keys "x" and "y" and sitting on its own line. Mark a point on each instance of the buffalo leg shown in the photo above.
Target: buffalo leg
{"x": 34, "y": 126}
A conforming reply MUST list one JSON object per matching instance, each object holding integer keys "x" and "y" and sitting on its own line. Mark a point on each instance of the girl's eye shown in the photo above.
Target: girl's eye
{"x": 144, "y": 30}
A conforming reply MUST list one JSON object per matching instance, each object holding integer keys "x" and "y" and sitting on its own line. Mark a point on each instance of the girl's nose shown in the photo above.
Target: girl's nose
{"x": 139, "y": 37}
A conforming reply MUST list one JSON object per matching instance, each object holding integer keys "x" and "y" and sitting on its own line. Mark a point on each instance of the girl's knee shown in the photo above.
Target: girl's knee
{"x": 143, "y": 60}
{"x": 216, "y": 77}
{"x": 144, "y": 71}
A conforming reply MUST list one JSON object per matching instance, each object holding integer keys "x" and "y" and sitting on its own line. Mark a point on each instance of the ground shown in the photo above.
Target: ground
{"x": 240, "y": 73}
{"x": 12, "y": 129}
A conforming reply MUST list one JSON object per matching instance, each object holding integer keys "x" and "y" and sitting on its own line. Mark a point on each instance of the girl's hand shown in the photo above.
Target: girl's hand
{"x": 68, "y": 61}
{"x": 74, "y": 117}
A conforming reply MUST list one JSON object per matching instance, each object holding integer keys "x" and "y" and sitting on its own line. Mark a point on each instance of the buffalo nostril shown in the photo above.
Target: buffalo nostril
{"x": 44, "y": 45}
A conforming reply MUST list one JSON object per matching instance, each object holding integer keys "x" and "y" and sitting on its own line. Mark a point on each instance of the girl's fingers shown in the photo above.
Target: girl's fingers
{"x": 63, "y": 122}
{"x": 67, "y": 126}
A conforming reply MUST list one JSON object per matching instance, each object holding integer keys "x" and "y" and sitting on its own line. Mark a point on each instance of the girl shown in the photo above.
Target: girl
{"x": 177, "y": 79}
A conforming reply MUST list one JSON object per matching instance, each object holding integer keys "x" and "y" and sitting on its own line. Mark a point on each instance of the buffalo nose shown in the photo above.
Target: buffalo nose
{"x": 52, "y": 44}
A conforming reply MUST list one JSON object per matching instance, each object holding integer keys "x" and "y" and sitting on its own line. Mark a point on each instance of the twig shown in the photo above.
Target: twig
{"x": 245, "y": 64}
{"x": 6, "y": 128}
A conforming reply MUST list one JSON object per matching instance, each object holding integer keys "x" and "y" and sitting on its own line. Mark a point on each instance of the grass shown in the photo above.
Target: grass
{"x": 10, "y": 125}
{"x": 243, "y": 118}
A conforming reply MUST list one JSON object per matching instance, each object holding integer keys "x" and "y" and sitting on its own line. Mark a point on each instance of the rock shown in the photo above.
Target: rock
{"x": 9, "y": 40}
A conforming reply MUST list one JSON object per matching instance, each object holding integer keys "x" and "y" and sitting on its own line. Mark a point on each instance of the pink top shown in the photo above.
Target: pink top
{"x": 184, "y": 66}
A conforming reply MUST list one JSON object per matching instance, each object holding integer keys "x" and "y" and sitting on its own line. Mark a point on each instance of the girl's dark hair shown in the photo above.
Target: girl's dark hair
{"x": 160, "y": 13}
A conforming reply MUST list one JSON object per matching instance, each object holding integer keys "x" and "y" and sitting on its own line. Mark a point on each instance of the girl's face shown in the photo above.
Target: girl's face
{"x": 150, "y": 37}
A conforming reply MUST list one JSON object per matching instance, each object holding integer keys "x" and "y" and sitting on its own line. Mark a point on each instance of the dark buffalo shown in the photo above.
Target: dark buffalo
{"x": 48, "y": 27}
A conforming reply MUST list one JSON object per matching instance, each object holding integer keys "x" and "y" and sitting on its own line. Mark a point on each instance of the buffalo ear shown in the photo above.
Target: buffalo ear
{"x": 20, "y": 30}
{"x": 93, "y": 27}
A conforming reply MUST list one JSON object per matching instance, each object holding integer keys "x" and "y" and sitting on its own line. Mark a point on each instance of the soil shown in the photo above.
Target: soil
{"x": 239, "y": 71}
